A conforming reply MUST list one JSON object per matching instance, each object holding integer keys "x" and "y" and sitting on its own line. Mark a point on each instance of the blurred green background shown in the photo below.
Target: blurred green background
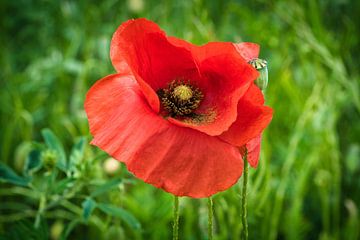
{"x": 307, "y": 185}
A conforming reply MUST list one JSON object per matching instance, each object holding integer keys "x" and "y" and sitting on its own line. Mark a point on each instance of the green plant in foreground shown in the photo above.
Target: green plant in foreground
{"x": 64, "y": 189}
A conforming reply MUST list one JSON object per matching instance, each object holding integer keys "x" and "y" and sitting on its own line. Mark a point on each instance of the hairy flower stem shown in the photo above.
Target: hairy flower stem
{"x": 176, "y": 218}
{"x": 244, "y": 200}
{"x": 210, "y": 218}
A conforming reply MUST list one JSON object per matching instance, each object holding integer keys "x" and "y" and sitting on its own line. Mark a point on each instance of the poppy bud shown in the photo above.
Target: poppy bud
{"x": 261, "y": 66}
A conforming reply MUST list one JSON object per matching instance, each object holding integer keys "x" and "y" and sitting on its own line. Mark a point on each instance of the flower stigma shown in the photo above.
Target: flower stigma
{"x": 258, "y": 63}
{"x": 183, "y": 92}
{"x": 180, "y": 98}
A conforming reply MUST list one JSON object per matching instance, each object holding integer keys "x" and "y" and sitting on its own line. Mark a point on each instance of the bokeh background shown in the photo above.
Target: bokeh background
{"x": 307, "y": 185}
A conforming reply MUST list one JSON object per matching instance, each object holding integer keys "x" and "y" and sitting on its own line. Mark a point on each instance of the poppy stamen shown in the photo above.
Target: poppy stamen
{"x": 180, "y": 98}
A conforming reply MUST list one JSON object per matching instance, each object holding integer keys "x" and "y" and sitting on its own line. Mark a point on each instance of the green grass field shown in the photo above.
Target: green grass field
{"x": 307, "y": 185}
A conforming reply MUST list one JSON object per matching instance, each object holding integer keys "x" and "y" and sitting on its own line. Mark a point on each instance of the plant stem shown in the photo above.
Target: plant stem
{"x": 210, "y": 218}
{"x": 244, "y": 200}
{"x": 176, "y": 218}
{"x": 42, "y": 205}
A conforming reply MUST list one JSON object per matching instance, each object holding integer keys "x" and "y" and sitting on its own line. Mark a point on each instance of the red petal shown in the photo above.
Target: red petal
{"x": 252, "y": 118}
{"x": 254, "y": 95}
{"x": 182, "y": 43}
{"x": 141, "y": 45}
{"x": 224, "y": 78}
{"x": 253, "y": 151}
{"x": 188, "y": 163}
{"x": 248, "y": 50}
{"x": 179, "y": 160}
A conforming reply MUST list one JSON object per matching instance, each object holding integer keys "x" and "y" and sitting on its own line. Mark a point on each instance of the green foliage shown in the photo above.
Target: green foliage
{"x": 120, "y": 213}
{"x": 8, "y": 175}
{"x": 33, "y": 162}
{"x": 88, "y": 206}
{"x": 53, "y": 143}
{"x": 53, "y": 184}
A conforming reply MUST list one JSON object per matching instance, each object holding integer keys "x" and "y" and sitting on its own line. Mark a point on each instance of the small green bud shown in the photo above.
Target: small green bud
{"x": 49, "y": 158}
{"x": 322, "y": 178}
{"x": 261, "y": 66}
{"x": 56, "y": 229}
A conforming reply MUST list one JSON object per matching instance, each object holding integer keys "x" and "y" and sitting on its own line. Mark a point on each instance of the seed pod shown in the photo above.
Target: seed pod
{"x": 261, "y": 66}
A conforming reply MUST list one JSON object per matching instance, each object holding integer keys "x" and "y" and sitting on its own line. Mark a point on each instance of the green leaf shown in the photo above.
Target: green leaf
{"x": 124, "y": 215}
{"x": 25, "y": 229}
{"x": 33, "y": 162}
{"x": 88, "y": 206}
{"x": 77, "y": 152}
{"x": 54, "y": 143}
{"x": 106, "y": 187}
{"x": 66, "y": 232}
{"x": 8, "y": 175}
{"x": 60, "y": 186}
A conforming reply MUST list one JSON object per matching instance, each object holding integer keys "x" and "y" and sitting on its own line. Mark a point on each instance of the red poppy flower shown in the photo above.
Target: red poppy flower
{"x": 175, "y": 113}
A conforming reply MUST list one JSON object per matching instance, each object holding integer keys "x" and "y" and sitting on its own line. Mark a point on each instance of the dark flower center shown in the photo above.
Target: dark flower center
{"x": 180, "y": 98}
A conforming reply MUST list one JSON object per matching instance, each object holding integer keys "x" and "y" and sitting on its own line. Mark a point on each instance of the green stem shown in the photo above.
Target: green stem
{"x": 245, "y": 232}
{"x": 210, "y": 218}
{"x": 42, "y": 205}
{"x": 176, "y": 218}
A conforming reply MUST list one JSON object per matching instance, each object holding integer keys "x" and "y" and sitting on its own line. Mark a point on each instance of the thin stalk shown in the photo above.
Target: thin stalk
{"x": 176, "y": 218}
{"x": 245, "y": 232}
{"x": 42, "y": 205}
{"x": 210, "y": 218}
